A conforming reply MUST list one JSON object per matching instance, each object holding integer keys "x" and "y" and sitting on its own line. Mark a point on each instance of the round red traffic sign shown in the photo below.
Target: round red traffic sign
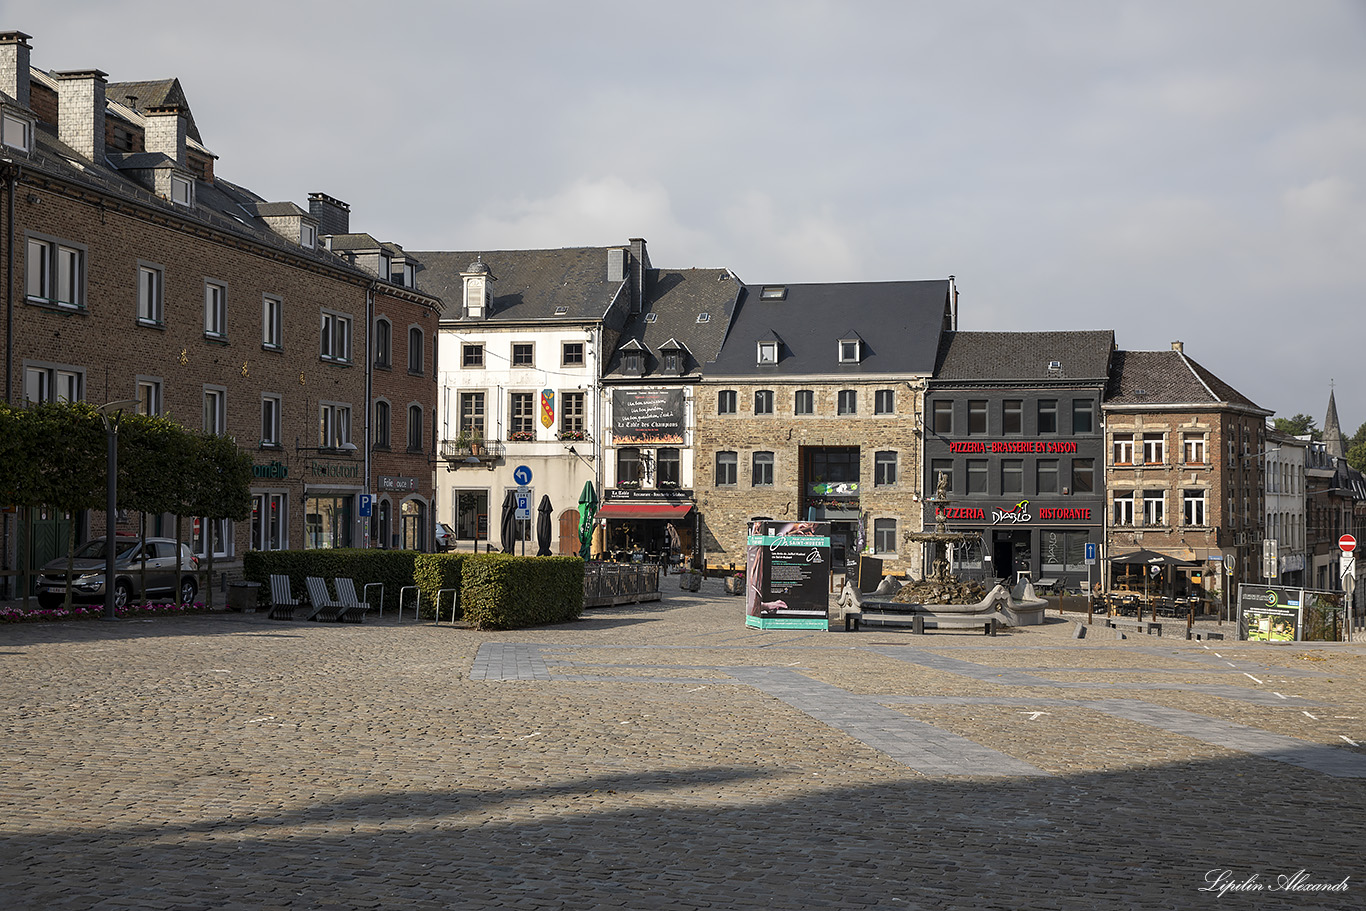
{"x": 1347, "y": 543}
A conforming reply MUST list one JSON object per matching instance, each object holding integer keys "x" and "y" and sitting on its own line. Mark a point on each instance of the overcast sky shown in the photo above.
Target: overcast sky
{"x": 1170, "y": 170}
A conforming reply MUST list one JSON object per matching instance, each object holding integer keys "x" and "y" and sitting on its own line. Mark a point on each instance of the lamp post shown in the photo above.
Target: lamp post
{"x": 110, "y": 412}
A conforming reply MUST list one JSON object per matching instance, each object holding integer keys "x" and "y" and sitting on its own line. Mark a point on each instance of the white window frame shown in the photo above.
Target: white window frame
{"x": 850, "y": 350}
{"x": 1122, "y": 449}
{"x": 1123, "y": 510}
{"x": 1154, "y": 448}
{"x": 223, "y": 534}
{"x": 308, "y": 235}
{"x": 182, "y": 191}
{"x": 55, "y": 272}
{"x": 334, "y": 336}
{"x": 260, "y": 526}
{"x": 53, "y": 383}
{"x": 271, "y": 407}
{"x": 1154, "y": 507}
{"x": 767, "y": 353}
{"x": 272, "y": 322}
{"x": 215, "y": 410}
{"x": 151, "y": 293}
{"x": 215, "y": 308}
{"x": 149, "y": 392}
{"x": 334, "y": 425}
{"x": 1193, "y": 448}
{"x": 16, "y": 132}
{"x": 1194, "y": 508}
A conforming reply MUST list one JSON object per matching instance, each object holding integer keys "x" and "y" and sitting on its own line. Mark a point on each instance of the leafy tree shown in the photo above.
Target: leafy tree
{"x": 1299, "y": 425}
{"x": 1356, "y": 456}
{"x": 218, "y": 476}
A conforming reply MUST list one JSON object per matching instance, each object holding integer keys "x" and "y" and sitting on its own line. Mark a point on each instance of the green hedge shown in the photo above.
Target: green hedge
{"x": 500, "y": 591}
{"x": 394, "y": 568}
{"x": 432, "y": 573}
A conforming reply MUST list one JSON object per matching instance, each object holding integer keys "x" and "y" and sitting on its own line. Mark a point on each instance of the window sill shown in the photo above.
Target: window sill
{"x": 412, "y": 372}
{"x": 56, "y": 306}
{"x": 334, "y": 360}
{"x": 274, "y": 349}
{"x": 384, "y": 366}
{"x": 214, "y": 339}
{"x": 150, "y": 323}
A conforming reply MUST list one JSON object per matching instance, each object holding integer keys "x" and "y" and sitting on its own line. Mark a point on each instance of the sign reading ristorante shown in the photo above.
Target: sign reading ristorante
{"x": 1011, "y": 446}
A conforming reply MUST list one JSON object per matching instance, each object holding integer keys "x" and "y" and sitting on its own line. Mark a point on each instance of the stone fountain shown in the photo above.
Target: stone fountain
{"x": 939, "y": 585}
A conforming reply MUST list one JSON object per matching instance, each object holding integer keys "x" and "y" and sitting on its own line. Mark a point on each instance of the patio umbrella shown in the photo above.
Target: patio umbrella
{"x": 543, "y": 527}
{"x": 588, "y": 508}
{"x": 1151, "y": 558}
{"x": 509, "y": 521}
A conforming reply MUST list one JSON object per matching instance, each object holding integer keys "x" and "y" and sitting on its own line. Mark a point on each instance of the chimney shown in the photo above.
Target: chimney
{"x": 164, "y": 132}
{"x": 14, "y": 72}
{"x": 333, "y": 215}
{"x": 1179, "y": 347}
{"x": 616, "y": 264}
{"x": 80, "y": 112}
{"x": 641, "y": 266}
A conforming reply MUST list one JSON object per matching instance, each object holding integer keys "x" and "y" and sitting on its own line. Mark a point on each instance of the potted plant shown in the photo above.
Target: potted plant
{"x": 522, "y": 436}
{"x": 690, "y": 580}
{"x": 735, "y": 583}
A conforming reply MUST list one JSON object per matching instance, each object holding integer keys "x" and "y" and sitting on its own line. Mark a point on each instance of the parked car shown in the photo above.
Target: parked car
{"x": 134, "y": 559}
{"x": 445, "y": 536}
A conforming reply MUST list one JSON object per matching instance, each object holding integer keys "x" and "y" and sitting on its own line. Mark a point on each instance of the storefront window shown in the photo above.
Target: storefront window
{"x": 269, "y": 522}
{"x": 669, "y": 467}
{"x": 1063, "y": 551}
{"x": 472, "y": 515}
{"x": 327, "y": 522}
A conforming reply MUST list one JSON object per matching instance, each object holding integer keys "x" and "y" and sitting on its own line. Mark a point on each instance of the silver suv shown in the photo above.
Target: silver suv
{"x": 151, "y": 558}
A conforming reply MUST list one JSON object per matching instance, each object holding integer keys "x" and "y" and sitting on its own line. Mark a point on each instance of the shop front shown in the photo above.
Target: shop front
{"x": 638, "y": 524}
{"x": 330, "y": 514}
{"x": 1045, "y": 543}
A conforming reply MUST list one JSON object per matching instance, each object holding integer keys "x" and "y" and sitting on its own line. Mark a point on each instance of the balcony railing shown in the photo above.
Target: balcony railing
{"x": 484, "y": 453}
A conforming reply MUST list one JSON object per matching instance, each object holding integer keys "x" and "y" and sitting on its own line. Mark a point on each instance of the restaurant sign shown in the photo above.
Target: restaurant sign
{"x": 1017, "y": 514}
{"x": 647, "y": 415}
{"x": 397, "y": 485}
{"x": 1013, "y": 446}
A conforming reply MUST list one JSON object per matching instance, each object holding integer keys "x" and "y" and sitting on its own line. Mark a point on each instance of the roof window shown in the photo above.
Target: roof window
{"x": 704, "y": 317}
{"x": 773, "y": 293}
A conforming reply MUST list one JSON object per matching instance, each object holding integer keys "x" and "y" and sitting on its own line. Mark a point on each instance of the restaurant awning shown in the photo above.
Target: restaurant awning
{"x": 644, "y": 510}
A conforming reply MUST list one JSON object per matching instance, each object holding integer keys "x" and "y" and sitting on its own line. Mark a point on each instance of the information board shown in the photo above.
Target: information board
{"x": 787, "y": 575}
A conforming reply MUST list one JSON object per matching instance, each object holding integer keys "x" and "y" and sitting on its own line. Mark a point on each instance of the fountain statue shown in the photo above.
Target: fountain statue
{"x": 940, "y": 570}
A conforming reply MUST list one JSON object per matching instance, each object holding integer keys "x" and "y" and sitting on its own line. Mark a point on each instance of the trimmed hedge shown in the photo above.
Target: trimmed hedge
{"x": 433, "y": 572}
{"x": 500, "y": 591}
{"x": 394, "y": 568}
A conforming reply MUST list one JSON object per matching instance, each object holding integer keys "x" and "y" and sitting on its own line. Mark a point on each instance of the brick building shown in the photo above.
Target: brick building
{"x": 1185, "y": 473}
{"x": 139, "y": 273}
{"x": 811, "y": 411}
{"x": 1013, "y": 421}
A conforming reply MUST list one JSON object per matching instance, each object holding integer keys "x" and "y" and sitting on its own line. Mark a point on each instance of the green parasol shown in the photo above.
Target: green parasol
{"x": 588, "y": 508}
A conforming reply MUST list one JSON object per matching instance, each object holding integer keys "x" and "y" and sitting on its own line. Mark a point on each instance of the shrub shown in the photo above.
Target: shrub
{"x": 500, "y": 591}
{"x": 434, "y": 572}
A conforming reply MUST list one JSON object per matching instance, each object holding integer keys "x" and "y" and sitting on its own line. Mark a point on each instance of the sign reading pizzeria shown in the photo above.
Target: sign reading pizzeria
{"x": 1017, "y": 514}
{"x": 647, "y": 415}
{"x": 1013, "y": 446}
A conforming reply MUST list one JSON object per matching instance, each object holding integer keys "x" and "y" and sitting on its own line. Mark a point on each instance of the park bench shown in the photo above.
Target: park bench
{"x": 325, "y": 607}
{"x": 282, "y": 600}
{"x": 1147, "y": 627}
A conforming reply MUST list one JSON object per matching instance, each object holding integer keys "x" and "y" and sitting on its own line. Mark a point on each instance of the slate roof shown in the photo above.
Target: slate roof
{"x": 529, "y": 285}
{"x": 154, "y": 93}
{"x": 1170, "y": 378}
{"x": 675, "y": 297}
{"x": 276, "y": 209}
{"x": 351, "y": 243}
{"x": 1024, "y": 357}
{"x": 901, "y": 323}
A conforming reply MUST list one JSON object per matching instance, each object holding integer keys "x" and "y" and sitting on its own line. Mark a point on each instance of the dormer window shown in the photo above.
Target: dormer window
{"x": 182, "y": 191}
{"x": 671, "y": 356}
{"x": 851, "y": 350}
{"x": 16, "y": 132}
{"x": 633, "y": 358}
{"x": 768, "y": 352}
{"x": 308, "y": 235}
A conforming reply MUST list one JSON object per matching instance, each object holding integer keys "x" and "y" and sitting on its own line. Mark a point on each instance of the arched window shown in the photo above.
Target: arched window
{"x": 414, "y": 428}
{"x": 415, "y": 350}
{"x": 382, "y": 424}
{"x": 414, "y": 525}
{"x": 383, "y": 343}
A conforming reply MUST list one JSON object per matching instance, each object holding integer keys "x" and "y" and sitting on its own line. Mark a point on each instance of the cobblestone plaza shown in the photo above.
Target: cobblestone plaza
{"x": 664, "y": 756}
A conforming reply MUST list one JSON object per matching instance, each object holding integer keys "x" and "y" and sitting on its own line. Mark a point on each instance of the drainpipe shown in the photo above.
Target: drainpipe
{"x": 9, "y": 170}
{"x": 369, "y": 393}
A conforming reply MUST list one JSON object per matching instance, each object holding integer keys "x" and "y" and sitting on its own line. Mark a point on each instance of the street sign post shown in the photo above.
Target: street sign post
{"x": 1347, "y": 544}
{"x": 522, "y": 475}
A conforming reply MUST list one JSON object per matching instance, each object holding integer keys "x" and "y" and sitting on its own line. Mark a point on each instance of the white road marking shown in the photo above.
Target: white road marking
{"x": 1250, "y": 677}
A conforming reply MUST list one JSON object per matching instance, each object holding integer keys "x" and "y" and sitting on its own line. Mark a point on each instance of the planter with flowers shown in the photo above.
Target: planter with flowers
{"x": 522, "y": 436}
{"x": 735, "y": 584}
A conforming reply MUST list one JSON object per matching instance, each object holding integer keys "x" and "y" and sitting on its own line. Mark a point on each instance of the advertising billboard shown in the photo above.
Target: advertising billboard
{"x": 647, "y": 416}
{"x": 787, "y": 578}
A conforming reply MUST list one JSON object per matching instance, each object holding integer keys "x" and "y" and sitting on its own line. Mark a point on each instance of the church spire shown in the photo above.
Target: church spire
{"x": 1333, "y": 441}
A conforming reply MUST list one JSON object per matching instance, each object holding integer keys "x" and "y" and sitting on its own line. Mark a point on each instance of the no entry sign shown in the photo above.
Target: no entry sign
{"x": 1347, "y": 543}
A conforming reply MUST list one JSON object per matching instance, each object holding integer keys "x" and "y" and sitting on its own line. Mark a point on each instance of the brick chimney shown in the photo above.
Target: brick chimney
{"x": 14, "y": 74}
{"x": 1178, "y": 347}
{"x": 164, "y": 132}
{"x": 80, "y": 112}
{"x": 333, "y": 215}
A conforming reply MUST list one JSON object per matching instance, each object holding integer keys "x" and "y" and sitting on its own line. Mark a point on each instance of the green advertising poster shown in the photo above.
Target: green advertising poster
{"x": 787, "y": 575}
{"x": 1270, "y": 613}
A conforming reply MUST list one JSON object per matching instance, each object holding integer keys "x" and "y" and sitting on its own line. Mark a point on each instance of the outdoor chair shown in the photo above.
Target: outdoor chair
{"x": 282, "y": 600}
{"x": 346, "y": 594}
{"x": 325, "y": 607}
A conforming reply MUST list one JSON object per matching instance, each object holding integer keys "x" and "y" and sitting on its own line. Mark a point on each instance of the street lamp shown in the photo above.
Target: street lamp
{"x": 110, "y": 412}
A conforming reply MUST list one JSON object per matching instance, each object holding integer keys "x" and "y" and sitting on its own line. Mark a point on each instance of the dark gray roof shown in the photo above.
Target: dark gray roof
{"x": 1025, "y": 357}
{"x": 156, "y": 93}
{"x": 900, "y": 323}
{"x": 353, "y": 243}
{"x": 674, "y": 298}
{"x": 528, "y": 285}
{"x": 138, "y": 161}
{"x": 276, "y": 209}
{"x": 1170, "y": 378}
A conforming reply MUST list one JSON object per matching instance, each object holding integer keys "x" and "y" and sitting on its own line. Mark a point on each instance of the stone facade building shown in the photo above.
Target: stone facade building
{"x": 812, "y": 411}
{"x": 1185, "y": 472}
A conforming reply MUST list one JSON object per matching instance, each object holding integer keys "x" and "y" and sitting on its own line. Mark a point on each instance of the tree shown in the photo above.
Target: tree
{"x": 218, "y": 486}
{"x": 1298, "y": 426}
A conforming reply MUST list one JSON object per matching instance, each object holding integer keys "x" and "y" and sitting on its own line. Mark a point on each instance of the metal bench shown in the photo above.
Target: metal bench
{"x": 282, "y": 600}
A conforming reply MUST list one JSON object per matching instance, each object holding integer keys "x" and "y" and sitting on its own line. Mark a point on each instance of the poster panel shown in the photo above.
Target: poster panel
{"x": 647, "y": 415}
{"x": 787, "y": 577}
{"x": 1270, "y": 613}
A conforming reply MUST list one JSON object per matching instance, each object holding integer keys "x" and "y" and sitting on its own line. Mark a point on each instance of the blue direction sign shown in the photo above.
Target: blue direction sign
{"x": 522, "y": 475}
{"x": 1090, "y": 553}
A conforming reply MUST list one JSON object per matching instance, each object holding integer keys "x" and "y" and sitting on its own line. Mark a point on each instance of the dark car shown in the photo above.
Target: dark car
{"x": 134, "y": 559}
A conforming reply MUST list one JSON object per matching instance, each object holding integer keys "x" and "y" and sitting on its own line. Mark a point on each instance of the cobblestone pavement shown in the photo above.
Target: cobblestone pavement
{"x": 664, "y": 756}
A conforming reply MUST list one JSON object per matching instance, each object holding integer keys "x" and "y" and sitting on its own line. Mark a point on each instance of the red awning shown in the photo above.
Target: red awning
{"x": 644, "y": 510}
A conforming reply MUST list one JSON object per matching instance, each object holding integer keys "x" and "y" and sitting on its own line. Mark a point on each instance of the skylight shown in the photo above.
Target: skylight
{"x": 773, "y": 292}
{"x": 561, "y": 310}
{"x": 704, "y": 317}
{"x": 651, "y": 317}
